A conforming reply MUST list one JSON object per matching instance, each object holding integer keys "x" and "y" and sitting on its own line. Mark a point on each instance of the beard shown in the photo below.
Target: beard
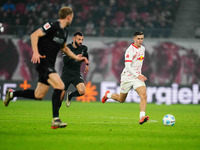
{"x": 78, "y": 45}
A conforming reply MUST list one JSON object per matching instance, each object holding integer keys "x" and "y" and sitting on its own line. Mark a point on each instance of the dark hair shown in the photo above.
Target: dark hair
{"x": 64, "y": 12}
{"x": 138, "y": 33}
{"x": 78, "y": 33}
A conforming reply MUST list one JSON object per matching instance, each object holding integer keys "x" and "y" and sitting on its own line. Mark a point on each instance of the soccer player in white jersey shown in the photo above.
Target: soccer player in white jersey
{"x": 131, "y": 76}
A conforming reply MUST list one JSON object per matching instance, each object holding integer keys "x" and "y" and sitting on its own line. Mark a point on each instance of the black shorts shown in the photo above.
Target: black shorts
{"x": 44, "y": 71}
{"x": 69, "y": 77}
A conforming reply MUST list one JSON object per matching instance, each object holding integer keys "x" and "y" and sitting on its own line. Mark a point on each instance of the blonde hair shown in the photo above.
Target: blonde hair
{"x": 64, "y": 12}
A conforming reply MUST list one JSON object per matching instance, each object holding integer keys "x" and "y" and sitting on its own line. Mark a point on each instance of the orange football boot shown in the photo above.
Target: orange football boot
{"x": 144, "y": 119}
{"x": 104, "y": 99}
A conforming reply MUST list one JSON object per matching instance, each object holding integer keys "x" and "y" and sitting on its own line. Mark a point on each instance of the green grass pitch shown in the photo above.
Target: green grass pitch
{"x": 26, "y": 125}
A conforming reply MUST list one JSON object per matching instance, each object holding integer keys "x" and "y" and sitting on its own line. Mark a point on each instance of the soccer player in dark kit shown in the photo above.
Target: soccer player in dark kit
{"x": 71, "y": 69}
{"x": 46, "y": 42}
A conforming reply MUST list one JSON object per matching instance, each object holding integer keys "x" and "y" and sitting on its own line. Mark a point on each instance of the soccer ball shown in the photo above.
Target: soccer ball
{"x": 168, "y": 120}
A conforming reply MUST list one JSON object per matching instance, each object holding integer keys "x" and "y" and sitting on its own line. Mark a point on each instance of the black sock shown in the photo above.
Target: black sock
{"x": 24, "y": 93}
{"x": 56, "y": 102}
{"x": 74, "y": 94}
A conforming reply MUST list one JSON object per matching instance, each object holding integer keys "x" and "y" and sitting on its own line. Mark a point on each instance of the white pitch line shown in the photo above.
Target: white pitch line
{"x": 104, "y": 122}
{"x": 152, "y": 121}
{"x": 100, "y": 122}
{"x": 112, "y": 118}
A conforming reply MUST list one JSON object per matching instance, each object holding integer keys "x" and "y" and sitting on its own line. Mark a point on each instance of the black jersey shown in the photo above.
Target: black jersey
{"x": 51, "y": 43}
{"x": 71, "y": 65}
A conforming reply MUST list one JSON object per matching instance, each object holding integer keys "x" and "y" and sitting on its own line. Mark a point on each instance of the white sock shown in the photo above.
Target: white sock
{"x": 109, "y": 95}
{"x": 55, "y": 118}
{"x": 142, "y": 114}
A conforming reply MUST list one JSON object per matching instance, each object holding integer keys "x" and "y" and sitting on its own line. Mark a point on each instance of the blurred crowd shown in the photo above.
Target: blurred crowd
{"x": 93, "y": 17}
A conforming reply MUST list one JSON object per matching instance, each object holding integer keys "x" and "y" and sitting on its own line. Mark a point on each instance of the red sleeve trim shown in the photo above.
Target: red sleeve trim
{"x": 128, "y": 60}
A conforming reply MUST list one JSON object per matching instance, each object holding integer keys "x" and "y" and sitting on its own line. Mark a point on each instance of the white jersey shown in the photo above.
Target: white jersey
{"x": 134, "y": 55}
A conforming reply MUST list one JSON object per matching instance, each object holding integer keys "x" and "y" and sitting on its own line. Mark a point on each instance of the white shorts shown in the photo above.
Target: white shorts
{"x": 125, "y": 86}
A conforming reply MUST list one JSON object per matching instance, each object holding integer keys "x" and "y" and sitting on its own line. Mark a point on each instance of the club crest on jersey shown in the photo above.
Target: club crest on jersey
{"x": 47, "y": 26}
{"x": 140, "y": 58}
{"x": 127, "y": 56}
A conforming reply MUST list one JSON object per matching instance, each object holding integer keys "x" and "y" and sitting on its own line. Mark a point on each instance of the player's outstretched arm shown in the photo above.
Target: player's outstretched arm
{"x": 34, "y": 42}
{"x": 67, "y": 51}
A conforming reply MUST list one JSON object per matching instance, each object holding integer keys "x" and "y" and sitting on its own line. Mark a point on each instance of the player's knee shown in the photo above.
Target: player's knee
{"x": 60, "y": 86}
{"x": 39, "y": 97}
{"x": 143, "y": 96}
{"x": 81, "y": 92}
{"x": 121, "y": 100}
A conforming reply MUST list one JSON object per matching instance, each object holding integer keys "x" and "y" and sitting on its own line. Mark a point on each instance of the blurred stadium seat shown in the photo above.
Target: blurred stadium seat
{"x": 155, "y": 17}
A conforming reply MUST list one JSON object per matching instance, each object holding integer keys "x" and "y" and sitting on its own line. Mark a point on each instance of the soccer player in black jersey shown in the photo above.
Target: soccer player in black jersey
{"x": 71, "y": 69}
{"x": 46, "y": 42}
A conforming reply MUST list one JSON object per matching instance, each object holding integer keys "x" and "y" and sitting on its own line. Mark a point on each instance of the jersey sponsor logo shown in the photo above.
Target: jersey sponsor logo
{"x": 47, "y": 26}
{"x": 140, "y": 58}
